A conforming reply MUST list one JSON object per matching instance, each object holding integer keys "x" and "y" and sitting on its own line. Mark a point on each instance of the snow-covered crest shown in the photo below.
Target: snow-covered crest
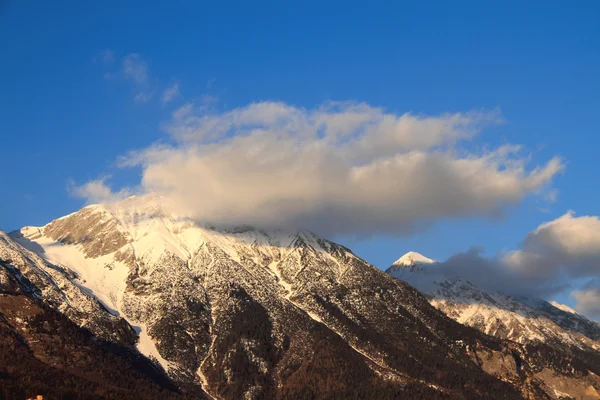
{"x": 494, "y": 312}
{"x": 412, "y": 258}
{"x": 113, "y": 246}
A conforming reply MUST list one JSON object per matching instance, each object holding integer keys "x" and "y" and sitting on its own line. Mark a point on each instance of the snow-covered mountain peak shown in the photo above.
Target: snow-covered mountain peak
{"x": 109, "y": 244}
{"x": 149, "y": 224}
{"x": 412, "y": 258}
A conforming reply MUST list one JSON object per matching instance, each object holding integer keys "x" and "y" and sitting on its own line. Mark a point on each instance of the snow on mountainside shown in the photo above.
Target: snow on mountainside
{"x": 516, "y": 318}
{"x": 251, "y": 314}
{"x": 520, "y": 319}
{"x": 563, "y": 307}
{"x": 56, "y": 339}
{"x": 57, "y": 286}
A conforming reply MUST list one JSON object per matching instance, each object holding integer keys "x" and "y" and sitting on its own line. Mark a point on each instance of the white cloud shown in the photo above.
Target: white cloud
{"x": 143, "y": 97}
{"x": 588, "y": 299}
{"x": 342, "y": 168}
{"x": 183, "y": 111}
{"x": 562, "y": 250}
{"x": 97, "y": 191}
{"x": 493, "y": 273}
{"x": 135, "y": 68}
{"x": 554, "y": 258}
{"x": 569, "y": 244}
{"x": 170, "y": 93}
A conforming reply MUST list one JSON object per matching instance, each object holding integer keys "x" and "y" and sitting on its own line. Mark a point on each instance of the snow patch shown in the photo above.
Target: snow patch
{"x": 147, "y": 347}
{"x": 102, "y": 277}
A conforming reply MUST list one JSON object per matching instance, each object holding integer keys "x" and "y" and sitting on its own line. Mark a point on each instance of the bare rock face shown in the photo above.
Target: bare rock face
{"x": 77, "y": 228}
{"x": 559, "y": 349}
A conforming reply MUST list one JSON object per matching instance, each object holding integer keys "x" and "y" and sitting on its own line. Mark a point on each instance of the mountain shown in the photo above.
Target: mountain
{"x": 412, "y": 260}
{"x": 245, "y": 313}
{"x": 532, "y": 322}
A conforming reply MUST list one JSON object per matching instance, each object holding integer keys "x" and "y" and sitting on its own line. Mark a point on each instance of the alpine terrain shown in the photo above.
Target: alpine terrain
{"x": 58, "y": 341}
{"x": 564, "y": 344}
{"x": 145, "y": 298}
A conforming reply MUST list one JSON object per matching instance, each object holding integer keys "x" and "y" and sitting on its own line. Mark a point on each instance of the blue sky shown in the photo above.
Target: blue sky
{"x": 67, "y": 113}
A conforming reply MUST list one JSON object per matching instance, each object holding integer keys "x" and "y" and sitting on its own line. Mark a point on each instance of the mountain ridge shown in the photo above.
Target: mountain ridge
{"x": 529, "y": 321}
{"x": 212, "y": 301}
{"x": 247, "y": 313}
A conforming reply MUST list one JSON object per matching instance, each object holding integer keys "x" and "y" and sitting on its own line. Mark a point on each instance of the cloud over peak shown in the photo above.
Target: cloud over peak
{"x": 340, "y": 168}
{"x": 97, "y": 191}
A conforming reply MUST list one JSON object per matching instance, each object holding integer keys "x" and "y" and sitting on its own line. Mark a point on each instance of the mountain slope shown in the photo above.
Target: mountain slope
{"x": 46, "y": 341}
{"x": 540, "y": 326}
{"x": 244, "y": 313}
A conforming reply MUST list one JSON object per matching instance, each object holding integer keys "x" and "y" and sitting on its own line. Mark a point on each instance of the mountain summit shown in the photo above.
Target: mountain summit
{"x": 413, "y": 258}
{"x": 411, "y": 261}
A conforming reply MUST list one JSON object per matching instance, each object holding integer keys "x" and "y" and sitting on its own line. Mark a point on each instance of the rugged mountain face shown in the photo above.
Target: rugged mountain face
{"x": 546, "y": 330}
{"x": 243, "y": 313}
{"x": 59, "y": 289}
{"x": 46, "y": 341}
